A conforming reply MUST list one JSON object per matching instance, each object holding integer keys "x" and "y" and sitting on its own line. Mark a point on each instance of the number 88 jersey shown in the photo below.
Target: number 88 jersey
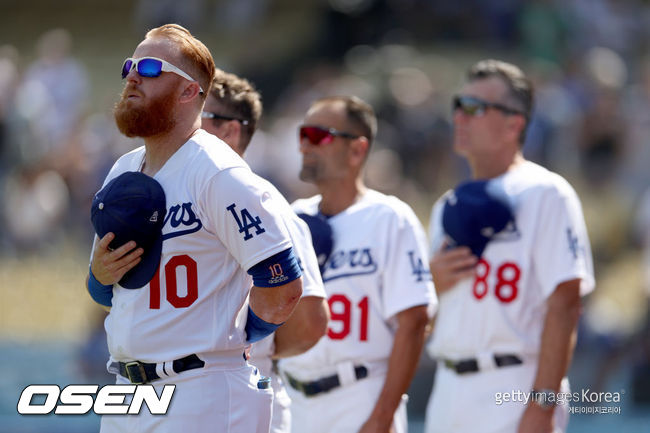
{"x": 502, "y": 309}
{"x": 377, "y": 268}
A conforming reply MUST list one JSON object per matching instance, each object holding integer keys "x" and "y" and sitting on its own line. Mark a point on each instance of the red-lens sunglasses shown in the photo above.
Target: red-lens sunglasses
{"x": 318, "y": 135}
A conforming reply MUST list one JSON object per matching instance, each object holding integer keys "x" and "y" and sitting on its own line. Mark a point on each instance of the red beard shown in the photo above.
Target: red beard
{"x": 153, "y": 118}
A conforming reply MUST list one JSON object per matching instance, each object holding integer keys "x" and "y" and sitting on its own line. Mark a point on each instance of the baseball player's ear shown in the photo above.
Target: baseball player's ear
{"x": 231, "y": 131}
{"x": 359, "y": 149}
{"x": 190, "y": 91}
{"x": 516, "y": 125}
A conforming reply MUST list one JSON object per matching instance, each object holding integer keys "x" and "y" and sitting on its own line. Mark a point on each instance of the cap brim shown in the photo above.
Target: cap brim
{"x": 145, "y": 270}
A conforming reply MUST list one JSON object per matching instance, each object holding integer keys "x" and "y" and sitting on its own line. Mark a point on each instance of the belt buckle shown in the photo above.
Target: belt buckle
{"x": 135, "y": 371}
{"x": 300, "y": 386}
{"x": 450, "y": 364}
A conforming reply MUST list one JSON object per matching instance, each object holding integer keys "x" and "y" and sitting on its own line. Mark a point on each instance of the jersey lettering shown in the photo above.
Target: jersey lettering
{"x": 182, "y": 214}
{"x": 418, "y": 268}
{"x": 246, "y": 222}
{"x": 358, "y": 261}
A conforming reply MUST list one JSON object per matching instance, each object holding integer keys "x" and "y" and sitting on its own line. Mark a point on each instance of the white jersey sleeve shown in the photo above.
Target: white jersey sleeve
{"x": 246, "y": 218}
{"x": 406, "y": 262}
{"x": 563, "y": 247}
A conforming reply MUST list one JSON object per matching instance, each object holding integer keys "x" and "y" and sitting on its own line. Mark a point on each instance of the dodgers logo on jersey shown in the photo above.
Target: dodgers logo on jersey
{"x": 574, "y": 246}
{"x": 182, "y": 214}
{"x": 358, "y": 261}
{"x": 418, "y": 268}
{"x": 246, "y": 222}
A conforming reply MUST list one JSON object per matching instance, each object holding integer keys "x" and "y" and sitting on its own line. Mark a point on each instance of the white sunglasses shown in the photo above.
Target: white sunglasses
{"x": 152, "y": 67}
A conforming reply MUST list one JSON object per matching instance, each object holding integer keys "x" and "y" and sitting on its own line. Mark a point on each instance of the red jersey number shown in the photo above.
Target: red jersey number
{"x": 506, "y": 289}
{"x": 171, "y": 270}
{"x": 341, "y": 311}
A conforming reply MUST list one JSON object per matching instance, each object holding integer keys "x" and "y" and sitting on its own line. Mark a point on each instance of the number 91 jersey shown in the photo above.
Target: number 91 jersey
{"x": 377, "y": 268}
{"x": 502, "y": 309}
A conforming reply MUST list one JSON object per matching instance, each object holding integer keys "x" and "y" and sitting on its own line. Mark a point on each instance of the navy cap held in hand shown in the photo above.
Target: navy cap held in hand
{"x": 133, "y": 207}
{"x": 473, "y": 215}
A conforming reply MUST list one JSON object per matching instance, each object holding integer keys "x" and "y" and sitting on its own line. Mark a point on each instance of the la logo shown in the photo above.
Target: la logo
{"x": 246, "y": 222}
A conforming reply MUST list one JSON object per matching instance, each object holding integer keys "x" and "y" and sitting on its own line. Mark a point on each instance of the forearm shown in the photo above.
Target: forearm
{"x": 403, "y": 361}
{"x": 275, "y": 304}
{"x": 558, "y": 339}
{"x": 307, "y": 324}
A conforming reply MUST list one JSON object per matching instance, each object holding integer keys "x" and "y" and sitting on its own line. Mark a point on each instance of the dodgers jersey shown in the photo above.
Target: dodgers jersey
{"x": 221, "y": 220}
{"x": 502, "y": 309}
{"x": 377, "y": 268}
{"x": 312, "y": 283}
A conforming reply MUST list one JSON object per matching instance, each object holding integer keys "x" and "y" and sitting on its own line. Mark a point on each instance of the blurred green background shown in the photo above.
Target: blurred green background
{"x": 59, "y": 78}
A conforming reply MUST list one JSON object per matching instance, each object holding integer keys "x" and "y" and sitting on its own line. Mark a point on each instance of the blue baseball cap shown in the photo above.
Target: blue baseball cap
{"x": 133, "y": 207}
{"x": 321, "y": 237}
{"x": 473, "y": 215}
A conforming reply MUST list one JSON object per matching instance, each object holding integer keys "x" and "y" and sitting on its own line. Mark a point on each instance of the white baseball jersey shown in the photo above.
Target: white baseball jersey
{"x": 312, "y": 283}
{"x": 221, "y": 220}
{"x": 502, "y": 309}
{"x": 377, "y": 269}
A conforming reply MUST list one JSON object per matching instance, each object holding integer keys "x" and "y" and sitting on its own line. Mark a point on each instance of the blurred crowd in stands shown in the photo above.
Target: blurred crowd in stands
{"x": 589, "y": 60}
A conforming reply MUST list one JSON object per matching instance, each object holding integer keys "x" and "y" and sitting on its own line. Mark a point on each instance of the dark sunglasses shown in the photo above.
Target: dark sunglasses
{"x": 318, "y": 135}
{"x": 472, "y": 106}
{"x": 210, "y": 115}
{"x": 152, "y": 67}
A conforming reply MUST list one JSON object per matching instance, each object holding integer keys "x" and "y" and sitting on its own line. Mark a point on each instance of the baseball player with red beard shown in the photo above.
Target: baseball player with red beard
{"x": 511, "y": 259}
{"x": 232, "y": 112}
{"x": 377, "y": 281}
{"x": 183, "y": 313}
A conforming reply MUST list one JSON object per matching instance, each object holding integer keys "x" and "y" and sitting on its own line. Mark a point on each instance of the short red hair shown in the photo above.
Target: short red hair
{"x": 197, "y": 59}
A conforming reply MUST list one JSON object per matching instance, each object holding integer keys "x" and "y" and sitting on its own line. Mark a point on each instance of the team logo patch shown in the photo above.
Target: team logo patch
{"x": 419, "y": 270}
{"x": 572, "y": 239}
{"x": 246, "y": 222}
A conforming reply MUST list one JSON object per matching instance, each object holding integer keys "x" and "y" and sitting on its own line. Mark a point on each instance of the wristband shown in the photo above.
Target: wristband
{"x": 102, "y": 294}
{"x": 257, "y": 328}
